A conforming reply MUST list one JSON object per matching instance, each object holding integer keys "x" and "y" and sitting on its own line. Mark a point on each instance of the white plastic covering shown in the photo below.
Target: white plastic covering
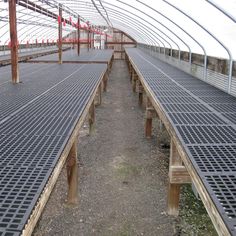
{"x": 147, "y": 21}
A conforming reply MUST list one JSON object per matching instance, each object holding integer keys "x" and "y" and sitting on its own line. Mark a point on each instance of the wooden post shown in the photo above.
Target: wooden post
{"x": 140, "y": 93}
{"x": 98, "y": 98}
{"x": 14, "y": 46}
{"x": 134, "y": 81}
{"x": 72, "y": 175}
{"x": 150, "y": 114}
{"x": 78, "y": 37}
{"x": 60, "y": 35}
{"x": 177, "y": 176}
{"x": 91, "y": 118}
{"x": 105, "y": 79}
{"x": 106, "y": 42}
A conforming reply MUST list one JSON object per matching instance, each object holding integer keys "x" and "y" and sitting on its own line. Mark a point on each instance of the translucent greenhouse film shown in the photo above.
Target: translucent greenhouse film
{"x": 178, "y": 24}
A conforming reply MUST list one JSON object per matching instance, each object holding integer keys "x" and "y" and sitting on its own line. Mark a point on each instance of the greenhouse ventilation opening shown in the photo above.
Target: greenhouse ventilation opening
{"x": 181, "y": 60}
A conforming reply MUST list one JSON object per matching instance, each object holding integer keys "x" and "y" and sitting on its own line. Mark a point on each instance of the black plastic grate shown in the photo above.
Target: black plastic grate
{"x": 208, "y": 139}
{"x": 71, "y": 55}
{"x": 30, "y": 145}
{"x": 225, "y": 107}
{"x": 214, "y": 158}
{"x": 186, "y": 100}
{"x": 230, "y": 116}
{"x": 40, "y": 151}
{"x": 20, "y": 188}
{"x": 223, "y": 191}
{"x": 207, "y": 134}
{"x": 4, "y": 232}
{"x": 180, "y": 93}
{"x": 207, "y": 93}
{"x": 221, "y": 99}
{"x": 195, "y": 118}
{"x": 186, "y": 108}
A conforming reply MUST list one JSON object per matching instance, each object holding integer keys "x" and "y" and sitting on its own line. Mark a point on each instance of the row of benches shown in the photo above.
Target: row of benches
{"x": 201, "y": 122}
{"x": 39, "y": 124}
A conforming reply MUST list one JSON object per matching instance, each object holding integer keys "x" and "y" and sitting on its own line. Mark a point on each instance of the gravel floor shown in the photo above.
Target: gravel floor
{"x": 123, "y": 176}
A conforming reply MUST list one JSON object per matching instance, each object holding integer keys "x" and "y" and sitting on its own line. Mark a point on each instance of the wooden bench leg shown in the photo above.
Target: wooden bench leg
{"x": 140, "y": 93}
{"x": 91, "y": 118}
{"x": 177, "y": 175}
{"x": 105, "y": 79}
{"x": 98, "y": 98}
{"x": 72, "y": 175}
{"x": 150, "y": 114}
{"x": 134, "y": 81}
{"x": 131, "y": 75}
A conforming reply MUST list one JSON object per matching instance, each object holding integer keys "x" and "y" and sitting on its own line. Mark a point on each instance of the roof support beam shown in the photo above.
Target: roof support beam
{"x": 78, "y": 37}
{"x": 14, "y": 47}
{"x": 60, "y": 35}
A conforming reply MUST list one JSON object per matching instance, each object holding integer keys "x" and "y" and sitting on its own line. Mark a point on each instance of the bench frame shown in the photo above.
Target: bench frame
{"x": 181, "y": 170}
{"x": 68, "y": 157}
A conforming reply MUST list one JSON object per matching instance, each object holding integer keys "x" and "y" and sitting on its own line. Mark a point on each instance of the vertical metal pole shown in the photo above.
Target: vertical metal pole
{"x": 106, "y": 42}
{"x": 100, "y": 47}
{"x": 60, "y": 35}
{"x": 88, "y": 38}
{"x": 78, "y": 37}
{"x": 13, "y": 37}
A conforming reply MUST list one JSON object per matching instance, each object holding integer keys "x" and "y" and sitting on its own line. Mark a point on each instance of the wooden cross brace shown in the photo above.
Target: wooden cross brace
{"x": 177, "y": 175}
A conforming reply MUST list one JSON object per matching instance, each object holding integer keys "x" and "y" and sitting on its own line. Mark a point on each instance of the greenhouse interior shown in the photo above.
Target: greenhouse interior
{"x": 117, "y": 118}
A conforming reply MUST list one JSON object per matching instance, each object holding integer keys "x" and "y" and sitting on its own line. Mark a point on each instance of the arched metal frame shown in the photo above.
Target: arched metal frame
{"x": 105, "y": 11}
{"x": 214, "y": 37}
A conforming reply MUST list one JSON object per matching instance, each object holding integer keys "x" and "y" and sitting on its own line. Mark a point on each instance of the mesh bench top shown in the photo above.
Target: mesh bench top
{"x": 37, "y": 120}
{"x": 204, "y": 119}
{"x": 71, "y": 55}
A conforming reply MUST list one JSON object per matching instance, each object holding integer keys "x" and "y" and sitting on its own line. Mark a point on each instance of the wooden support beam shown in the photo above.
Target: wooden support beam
{"x": 72, "y": 174}
{"x": 98, "y": 99}
{"x": 134, "y": 81}
{"x": 177, "y": 175}
{"x": 91, "y": 118}
{"x": 100, "y": 46}
{"x": 60, "y": 35}
{"x": 78, "y": 37}
{"x": 14, "y": 42}
{"x": 106, "y": 42}
{"x": 140, "y": 93}
{"x": 150, "y": 114}
{"x": 105, "y": 79}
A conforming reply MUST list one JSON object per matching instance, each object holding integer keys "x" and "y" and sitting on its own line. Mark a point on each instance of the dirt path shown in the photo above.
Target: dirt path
{"x": 123, "y": 178}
